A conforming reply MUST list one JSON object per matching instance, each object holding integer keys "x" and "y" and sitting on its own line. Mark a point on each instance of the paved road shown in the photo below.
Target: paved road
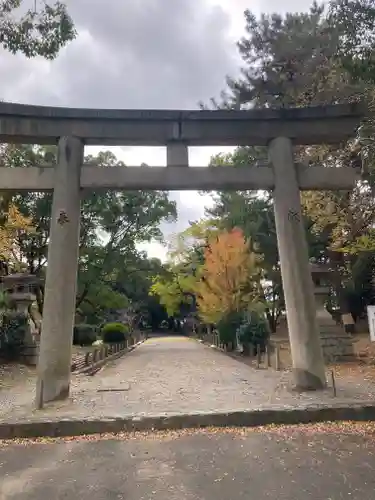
{"x": 193, "y": 466}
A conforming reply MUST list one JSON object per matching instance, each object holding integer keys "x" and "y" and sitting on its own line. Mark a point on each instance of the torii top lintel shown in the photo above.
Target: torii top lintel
{"x": 21, "y": 123}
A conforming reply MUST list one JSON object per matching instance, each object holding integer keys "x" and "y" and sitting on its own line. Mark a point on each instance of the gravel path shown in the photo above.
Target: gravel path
{"x": 176, "y": 375}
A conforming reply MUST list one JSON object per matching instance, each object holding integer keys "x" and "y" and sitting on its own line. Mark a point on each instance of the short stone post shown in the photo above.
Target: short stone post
{"x": 277, "y": 357}
{"x": 307, "y": 356}
{"x": 268, "y": 355}
{"x": 61, "y": 278}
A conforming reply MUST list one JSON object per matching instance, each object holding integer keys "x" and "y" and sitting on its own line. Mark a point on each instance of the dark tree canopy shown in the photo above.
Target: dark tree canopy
{"x": 40, "y": 31}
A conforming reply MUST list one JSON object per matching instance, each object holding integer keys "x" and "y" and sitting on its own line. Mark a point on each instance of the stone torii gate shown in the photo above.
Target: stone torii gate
{"x": 72, "y": 129}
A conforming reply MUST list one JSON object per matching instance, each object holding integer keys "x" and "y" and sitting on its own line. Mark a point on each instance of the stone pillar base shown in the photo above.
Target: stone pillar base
{"x": 30, "y": 354}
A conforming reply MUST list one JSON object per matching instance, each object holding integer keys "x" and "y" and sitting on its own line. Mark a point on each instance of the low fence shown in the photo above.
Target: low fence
{"x": 266, "y": 356}
{"x": 89, "y": 359}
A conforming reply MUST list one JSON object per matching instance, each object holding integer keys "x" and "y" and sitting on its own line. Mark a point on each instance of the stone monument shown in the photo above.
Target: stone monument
{"x": 337, "y": 345}
{"x": 20, "y": 290}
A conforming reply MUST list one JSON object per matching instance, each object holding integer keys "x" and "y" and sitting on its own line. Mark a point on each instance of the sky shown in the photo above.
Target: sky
{"x": 167, "y": 54}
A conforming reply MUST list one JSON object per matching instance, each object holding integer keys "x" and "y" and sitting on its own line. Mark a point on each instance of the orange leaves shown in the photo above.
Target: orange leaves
{"x": 229, "y": 278}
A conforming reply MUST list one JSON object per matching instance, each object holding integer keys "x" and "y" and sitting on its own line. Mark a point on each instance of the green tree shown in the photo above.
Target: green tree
{"x": 111, "y": 226}
{"x": 296, "y": 60}
{"x": 175, "y": 290}
{"x": 135, "y": 281}
{"x": 122, "y": 220}
{"x": 39, "y": 31}
{"x": 252, "y": 211}
{"x": 354, "y": 20}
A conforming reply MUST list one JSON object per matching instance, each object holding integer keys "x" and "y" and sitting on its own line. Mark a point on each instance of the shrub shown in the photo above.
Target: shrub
{"x": 254, "y": 330}
{"x": 12, "y": 334}
{"x": 84, "y": 334}
{"x": 227, "y": 328}
{"x": 115, "y": 332}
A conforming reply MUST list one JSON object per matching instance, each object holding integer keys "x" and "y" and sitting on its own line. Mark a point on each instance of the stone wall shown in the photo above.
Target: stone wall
{"x": 337, "y": 346}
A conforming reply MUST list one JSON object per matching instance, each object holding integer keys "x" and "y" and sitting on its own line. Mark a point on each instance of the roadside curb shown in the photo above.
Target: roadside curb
{"x": 276, "y": 415}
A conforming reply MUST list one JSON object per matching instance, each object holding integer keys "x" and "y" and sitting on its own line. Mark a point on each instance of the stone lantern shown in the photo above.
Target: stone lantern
{"x": 320, "y": 275}
{"x": 336, "y": 343}
{"x": 20, "y": 290}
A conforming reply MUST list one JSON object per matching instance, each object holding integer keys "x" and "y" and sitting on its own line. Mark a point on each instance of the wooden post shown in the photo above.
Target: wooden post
{"x": 333, "y": 383}
{"x": 258, "y": 356}
{"x": 268, "y": 356}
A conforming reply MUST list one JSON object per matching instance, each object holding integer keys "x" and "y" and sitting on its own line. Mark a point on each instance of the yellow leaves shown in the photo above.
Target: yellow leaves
{"x": 172, "y": 292}
{"x": 328, "y": 215}
{"x": 333, "y": 214}
{"x": 229, "y": 276}
{"x": 14, "y": 223}
{"x": 17, "y": 221}
{"x": 364, "y": 243}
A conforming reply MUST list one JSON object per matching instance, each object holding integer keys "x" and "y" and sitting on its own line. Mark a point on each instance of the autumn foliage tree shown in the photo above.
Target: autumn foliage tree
{"x": 12, "y": 225}
{"x": 230, "y": 277}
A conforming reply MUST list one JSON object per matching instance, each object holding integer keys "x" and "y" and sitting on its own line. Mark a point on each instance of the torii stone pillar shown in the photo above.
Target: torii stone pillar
{"x": 61, "y": 279}
{"x": 307, "y": 355}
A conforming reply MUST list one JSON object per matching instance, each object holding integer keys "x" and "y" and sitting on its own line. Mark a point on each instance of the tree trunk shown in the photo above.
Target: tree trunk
{"x": 246, "y": 348}
{"x": 171, "y": 324}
